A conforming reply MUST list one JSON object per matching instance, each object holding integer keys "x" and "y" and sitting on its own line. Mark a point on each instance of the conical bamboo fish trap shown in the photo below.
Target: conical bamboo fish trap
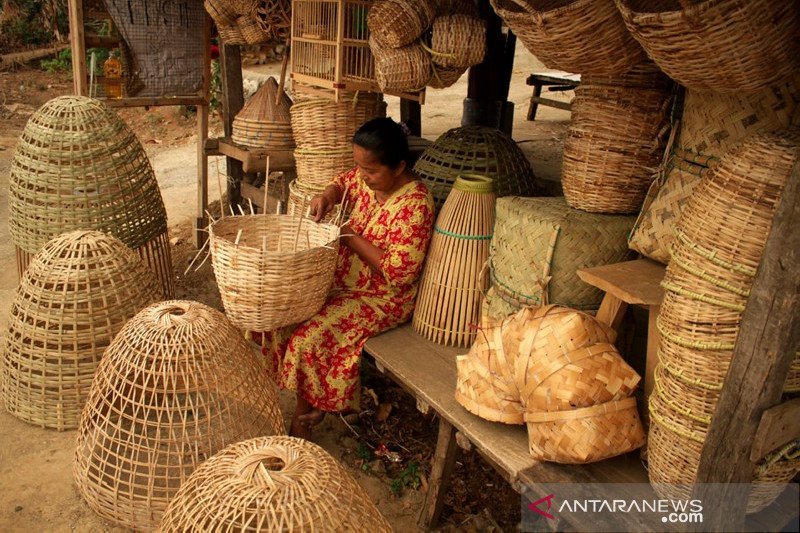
{"x": 79, "y": 166}
{"x": 177, "y": 384}
{"x": 74, "y": 297}
{"x": 448, "y": 304}
{"x": 272, "y": 484}
{"x": 264, "y": 121}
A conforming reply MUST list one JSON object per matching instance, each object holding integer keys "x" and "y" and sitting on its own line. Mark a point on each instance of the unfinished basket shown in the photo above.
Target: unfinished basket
{"x": 457, "y": 41}
{"x": 444, "y": 77}
{"x": 316, "y": 168}
{"x": 77, "y": 293}
{"x": 718, "y": 45}
{"x": 272, "y": 484}
{"x": 79, "y": 166}
{"x": 449, "y": 298}
{"x": 300, "y": 199}
{"x": 177, "y": 384}
{"x": 264, "y": 121}
{"x": 404, "y": 69}
{"x": 475, "y": 150}
{"x": 272, "y": 270}
{"x": 396, "y": 23}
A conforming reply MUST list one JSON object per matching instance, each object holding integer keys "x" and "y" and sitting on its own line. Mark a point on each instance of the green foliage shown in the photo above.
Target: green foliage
{"x": 31, "y": 22}
{"x": 62, "y": 62}
{"x": 216, "y": 86}
{"x": 409, "y": 477}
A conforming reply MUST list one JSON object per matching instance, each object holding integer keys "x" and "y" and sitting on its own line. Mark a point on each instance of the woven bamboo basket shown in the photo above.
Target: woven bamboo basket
{"x": 475, "y": 150}
{"x": 272, "y": 270}
{"x": 264, "y": 121}
{"x": 275, "y": 18}
{"x": 539, "y": 243}
{"x": 486, "y": 394}
{"x": 457, "y": 41}
{"x": 316, "y": 168}
{"x": 231, "y": 35}
{"x": 76, "y": 166}
{"x": 272, "y": 484}
{"x": 221, "y": 11}
{"x": 322, "y": 124}
{"x": 176, "y": 385}
{"x": 445, "y": 77}
{"x": 396, "y": 23}
{"x": 404, "y": 69}
{"x": 644, "y": 75}
{"x": 718, "y": 45}
{"x": 613, "y": 146}
{"x": 251, "y": 30}
{"x": 449, "y": 298}
{"x": 300, "y": 199}
{"x": 77, "y": 293}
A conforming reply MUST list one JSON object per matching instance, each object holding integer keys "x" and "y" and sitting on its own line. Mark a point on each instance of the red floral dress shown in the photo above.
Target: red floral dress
{"x": 320, "y": 358}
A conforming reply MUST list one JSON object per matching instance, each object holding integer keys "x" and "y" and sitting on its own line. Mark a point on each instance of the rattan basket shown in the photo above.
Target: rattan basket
{"x": 272, "y": 270}
{"x": 177, "y": 384}
{"x": 77, "y": 293}
{"x": 404, "y": 69}
{"x": 272, "y": 484}
{"x": 252, "y": 32}
{"x": 644, "y": 75}
{"x": 396, "y": 23}
{"x": 445, "y": 77}
{"x": 221, "y": 11}
{"x": 275, "y": 18}
{"x": 475, "y": 150}
{"x": 718, "y": 45}
{"x": 449, "y": 298}
{"x": 76, "y": 166}
{"x": 231, "y": 35}
{"x": 322, "y": 124}
{"x": 316, "y": 167}
{"x": 264, "y": 121}
{"x": 457, "y": 41}
{"x": 300, "y": 199}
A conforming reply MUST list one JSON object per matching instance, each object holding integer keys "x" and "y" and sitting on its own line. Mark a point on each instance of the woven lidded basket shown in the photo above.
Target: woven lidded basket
{"x": 272, "y": 270}
{"x": 79, "y": 166}
{"x": 407, "y": 68}
{"x": 718, "y": 45}
{"x": 77, "y": 293}
{"x": 316, "y": 167}
{"x": 320, "y": 123}
{"x": 396, "y": 23}
{"x": 457, "y": 41}
{"x": 264, "y": 121}
{"x": 177, "y": 384}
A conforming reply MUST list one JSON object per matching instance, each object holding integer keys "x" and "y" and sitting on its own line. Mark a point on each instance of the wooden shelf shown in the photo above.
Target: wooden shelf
{"x": 253, "y": 160}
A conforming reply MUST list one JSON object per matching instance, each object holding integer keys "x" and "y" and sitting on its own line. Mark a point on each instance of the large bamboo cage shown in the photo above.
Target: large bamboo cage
{"x": 272, "y": 484}
{"x": 476, "y": 150}
{"x": 76, "y": 294}
{"x": 79, "y": 166}
{"x": 273, "y": 270}
{"x": 718, "y": 245}
{"x": 177, "y": 384}
{"x": 264, "y": 121}
{"x": 457, "y": 41}
{"x": 397, "y": 23}
{"x": 452, "y": 284}
{"x": 320, "y": 124}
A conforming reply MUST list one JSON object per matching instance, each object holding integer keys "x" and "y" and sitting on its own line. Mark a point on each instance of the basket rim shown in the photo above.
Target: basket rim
{"x": 236, "y": 219}
{"x": 584, "y": 412}
{"x": 662, "y": 18}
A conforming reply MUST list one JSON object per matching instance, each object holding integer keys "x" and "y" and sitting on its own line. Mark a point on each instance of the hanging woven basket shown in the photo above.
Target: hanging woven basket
{"x": 251, "y": 30}
{"x": 177, "y": 384}
{"x": 264, "y": 120}
{"x": 231, "y": 34}
{"x": 77, "y": 293}
{"x": 445, "y": 77}
{"x": 272, "y": 484}
{"x": 79, "y": 166}
{"x": 221, "y": 11}
{"x": 404, "y": 69}
{"x": 322, "y": 124}
{"x": 396, "y": 23}
{"x": 457, "y": 41}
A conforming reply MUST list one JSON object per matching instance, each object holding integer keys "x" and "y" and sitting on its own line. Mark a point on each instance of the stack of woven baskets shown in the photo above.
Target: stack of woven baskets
{"x": 264, "y": 121}
{"x": 250, "y": 21}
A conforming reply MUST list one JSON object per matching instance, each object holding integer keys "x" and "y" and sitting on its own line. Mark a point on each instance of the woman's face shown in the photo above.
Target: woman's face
{"x": 377, "y": 176}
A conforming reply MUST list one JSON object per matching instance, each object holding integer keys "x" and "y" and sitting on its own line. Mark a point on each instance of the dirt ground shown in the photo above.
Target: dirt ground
{"x": 35, "y": 464}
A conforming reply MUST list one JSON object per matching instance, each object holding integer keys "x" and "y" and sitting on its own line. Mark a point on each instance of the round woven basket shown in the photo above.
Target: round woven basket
{"x": 77, "y": 293}
{"x": 407, "y": 68}
{"x": 316, "y": 167}
{"x": 718, "y": 45}
{"x": 644, "y": 75}
{"x": 300, "y": 199}
{"x": 585, "y": 36}
{"x": 252, "y": 32}
{"x": 475, "y": 150}
{"x": 272, "y": 484}
{"x": 396, "y": 23}
{"x": 76, "y": 166}
{"x": 272, "y": 270}
{"x": 322, "y": 124}
{"x": 491, "y": 396}
{"x": 177, "y": 384}
{"x": 231, "y": 34}
{"x": 449, "y": 298}
{"x": 264, "y": 121}
{"x": 457, "y": 41}
{"x": 221, "y": 11}
{"x": 445, "y": 77}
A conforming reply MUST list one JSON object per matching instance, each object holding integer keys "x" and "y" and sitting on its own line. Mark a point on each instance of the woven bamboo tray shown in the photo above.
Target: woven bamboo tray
{"x": 322, "y": 124}
{"x": 316, "y": 168}
{"x": 718, "y": 45}
{"x": 264, "y": 121}
{"x": 77, "y": 293}
{"x": 475, "y": 150}
{"x": 448, "y": 302}
{"x": 396, "y": 23}
{"x": 404, "y": 69}
{"x": 79, "y": 166}
{"x": 177, "y": 384}
{"x": 272, "y": 484}
{"x": 272, "y": 270}
{"x": 457, "y": 41}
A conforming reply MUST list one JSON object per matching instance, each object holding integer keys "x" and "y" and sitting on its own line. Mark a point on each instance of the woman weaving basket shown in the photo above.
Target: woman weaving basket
{"x": 382, "y": 248}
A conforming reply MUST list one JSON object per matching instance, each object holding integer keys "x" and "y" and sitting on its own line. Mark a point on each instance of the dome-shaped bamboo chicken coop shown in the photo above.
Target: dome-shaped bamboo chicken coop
{"x": 79, "y": 166}
{"x": 264, "y": 121}
{"x": 76, "y": 294}
{"x": 177, "y": 384}
{"x": 272, "y": 484}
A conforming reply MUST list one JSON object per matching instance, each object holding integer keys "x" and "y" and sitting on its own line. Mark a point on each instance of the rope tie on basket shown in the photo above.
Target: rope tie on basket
{"x": 701, "y": 297}
{"x": 679, "y": 374}
{"x": 433, "y": 52}
{"x": 721, "y": 346}
{"x": 705, "y": 419}
{"x": 789, "y": 451}
{"x": 437, "y": 229}
{"x": 711, "y": 255}
{"x": 708, "y": 277}
{"x": 654, "y": 415}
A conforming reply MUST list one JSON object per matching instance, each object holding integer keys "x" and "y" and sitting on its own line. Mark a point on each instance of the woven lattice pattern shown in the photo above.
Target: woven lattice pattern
{"x": 264, "y": 120}
{"x": 442, "y": 78}
{"x": 272, "y": 484}
{"x": 475, "y": 150}
{"x": 396, "y": 23}
{"x": 75, "y": 296}
{"x": 458, "y": 41}
{"x": 79, "y": 166}
{"x": 407, "y": 68}
{"x": 177, "y": 384}
{"x": 316, "y": 168}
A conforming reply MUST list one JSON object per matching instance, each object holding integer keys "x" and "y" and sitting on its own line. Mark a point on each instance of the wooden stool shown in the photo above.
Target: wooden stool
{"x": 557, "y": 81}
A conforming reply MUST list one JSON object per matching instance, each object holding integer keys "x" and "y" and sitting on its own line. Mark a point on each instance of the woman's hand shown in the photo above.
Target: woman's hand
{"x": 319, "y": 207}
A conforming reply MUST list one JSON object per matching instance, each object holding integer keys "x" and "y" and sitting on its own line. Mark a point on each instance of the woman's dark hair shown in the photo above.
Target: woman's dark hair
{"x": 385, "y": 139}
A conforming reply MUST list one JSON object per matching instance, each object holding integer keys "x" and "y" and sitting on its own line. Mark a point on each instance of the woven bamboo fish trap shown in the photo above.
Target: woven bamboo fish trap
{"x": 264, "y": 121}
{"x": 613, "y": 146}
{"x": 457, "y": 41}
{"x": 322, "y": 124}
{"x": 177, "y": 384}
{"x": 718, "y": 45}
{"x": 475, "y": 150}
{"x": 79, "y": 166}
{"x": 449, "y": 298}
{"x": 396, "y": 23}
{"x": 272, "y": 484}
{"x": 404, "y": 69}
{"x": 445, "y": 77}
{"x": 272, "y": 270}
{"x": 539, "y": 243}
{"x": 75, "y": 296}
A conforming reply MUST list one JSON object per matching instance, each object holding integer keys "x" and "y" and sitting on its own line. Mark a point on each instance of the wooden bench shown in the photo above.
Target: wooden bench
{"x": 554, "y": 81}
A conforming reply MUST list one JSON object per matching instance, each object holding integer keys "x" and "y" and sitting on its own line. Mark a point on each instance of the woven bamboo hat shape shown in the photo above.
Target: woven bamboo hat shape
{"x": 75, "y": 296}
{"x": 272, "y": 484}
{"x": 264, "y": 121}
{"x": 79, "y": 166}
{"x": 177, "y": 384}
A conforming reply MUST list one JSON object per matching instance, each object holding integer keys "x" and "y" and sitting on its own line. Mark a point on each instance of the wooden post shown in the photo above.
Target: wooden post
{"x": 411, "y": 114}
{"x": 201, "y": 222}
{"x": 78, "y": 47}
{"x": 766, "y": 345}
{"x": 444, "y": 458}
{"x": 232, "y": 103}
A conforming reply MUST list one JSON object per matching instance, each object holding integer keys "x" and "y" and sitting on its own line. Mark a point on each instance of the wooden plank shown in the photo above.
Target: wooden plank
{"x": 201, "y": 221}
{"x": 540, "y": 100}
{"x": 612, "y": 311}
{"x": 155, "y": 101}
{"x": 78, "y": 47}
{"x": 8, "y": 61}
{"x": 232, "y": 103}
{"x": 444, "y": 457}
{"x": 779, "y": 425}
{"x": 554, "y": 78}
{"x": 101, "y": 41}
{"x": 634, "y": 282}
{"x": 256, "y": 160}
{"x": 764, "y": 351}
